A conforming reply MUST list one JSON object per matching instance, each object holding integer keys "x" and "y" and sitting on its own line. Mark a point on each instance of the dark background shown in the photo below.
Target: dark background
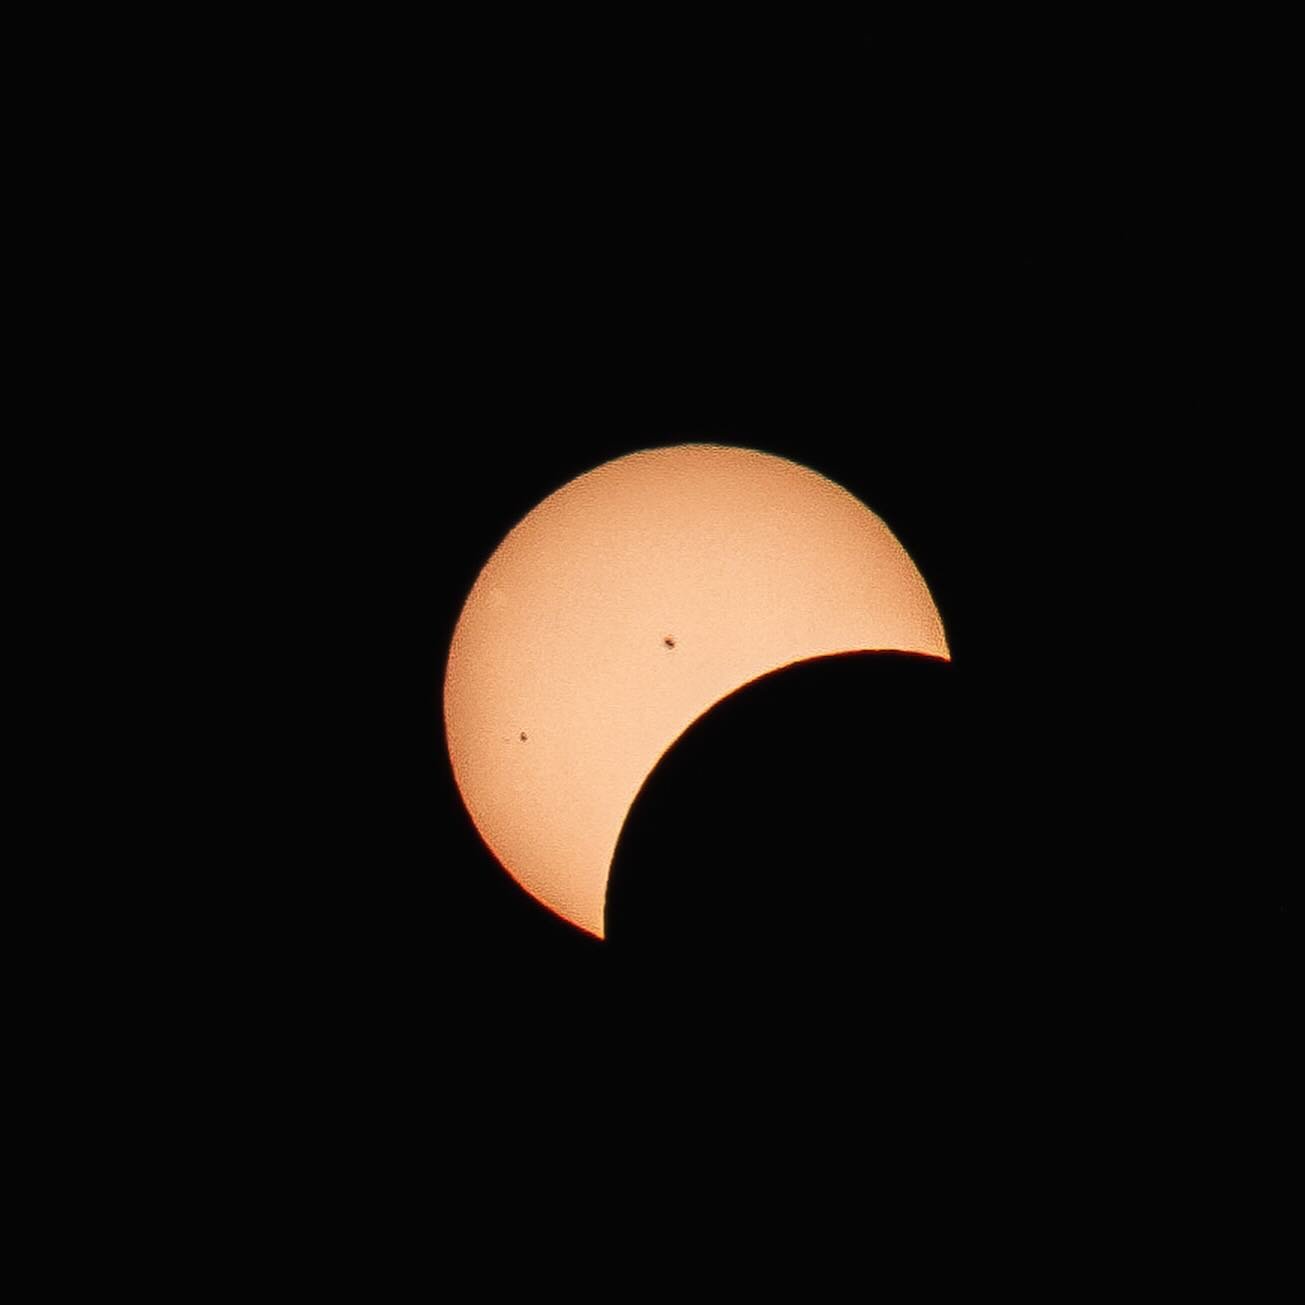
{"x": 942, "y": 311}
{"x": 942, "y": 286}
{"x": 929, "y": 332}
{"x": 1003, "y": 927}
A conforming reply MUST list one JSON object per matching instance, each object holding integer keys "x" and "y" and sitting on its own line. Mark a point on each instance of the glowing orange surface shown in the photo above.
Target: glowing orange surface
{"x": 625, "y": 606}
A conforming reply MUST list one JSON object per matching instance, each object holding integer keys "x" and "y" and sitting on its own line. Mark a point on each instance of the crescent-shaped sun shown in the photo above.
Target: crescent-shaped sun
{"x": 625, "y": 606}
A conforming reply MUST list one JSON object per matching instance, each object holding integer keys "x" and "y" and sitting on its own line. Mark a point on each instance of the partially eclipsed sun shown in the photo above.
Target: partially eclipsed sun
{"x": 625, "y": 606}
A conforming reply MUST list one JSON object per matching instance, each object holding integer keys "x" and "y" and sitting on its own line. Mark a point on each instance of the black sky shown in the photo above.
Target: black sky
{"x": 363, "y": 288}
{"x": 941, "y": 293}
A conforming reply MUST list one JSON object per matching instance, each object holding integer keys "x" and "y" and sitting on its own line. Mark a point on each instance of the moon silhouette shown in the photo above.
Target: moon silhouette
{"x": 623, "y": 607}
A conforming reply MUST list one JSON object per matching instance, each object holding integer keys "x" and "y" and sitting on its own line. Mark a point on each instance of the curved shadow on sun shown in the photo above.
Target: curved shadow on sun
{"x": 794, "y": 819}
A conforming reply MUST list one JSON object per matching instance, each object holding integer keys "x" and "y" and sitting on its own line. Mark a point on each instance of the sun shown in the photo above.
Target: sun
{"x": 626, "y": 605}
